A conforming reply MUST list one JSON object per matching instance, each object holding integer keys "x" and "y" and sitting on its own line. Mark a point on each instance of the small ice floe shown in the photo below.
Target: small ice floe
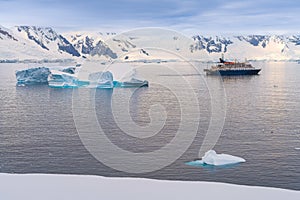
{"x": 297, "y": 148}
{"x": 133, "y": 82}
{"x": 212, "y": 158}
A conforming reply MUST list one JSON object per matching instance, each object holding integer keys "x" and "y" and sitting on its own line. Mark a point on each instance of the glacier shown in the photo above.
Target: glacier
{"x": 212, "y": 158}
{"x": 37, "y": 75}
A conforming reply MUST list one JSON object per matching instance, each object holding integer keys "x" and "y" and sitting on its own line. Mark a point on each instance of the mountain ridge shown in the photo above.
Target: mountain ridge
{"x": 32, "y": 42}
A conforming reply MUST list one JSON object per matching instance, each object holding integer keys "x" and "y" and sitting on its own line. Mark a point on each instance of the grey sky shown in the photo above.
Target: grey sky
{"x": 189, "y": 16}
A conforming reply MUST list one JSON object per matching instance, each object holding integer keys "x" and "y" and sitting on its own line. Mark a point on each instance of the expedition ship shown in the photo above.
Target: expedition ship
{"x": 225, "y": 68}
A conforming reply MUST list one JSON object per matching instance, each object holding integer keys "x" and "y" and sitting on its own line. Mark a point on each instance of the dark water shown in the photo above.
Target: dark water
{"x": 262, "y": 125}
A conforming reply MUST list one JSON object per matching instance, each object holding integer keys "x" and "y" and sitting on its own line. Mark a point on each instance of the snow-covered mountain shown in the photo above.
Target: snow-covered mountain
{"x": 211, "y": 44}
{"x": 34, "y": 43}
{"x": 47, "y": 39}
{"x": 6, "y": 34}
{"x": 91, "y": 45}
{"x": 42, "y": 43}
{"x": 255, "y": 47}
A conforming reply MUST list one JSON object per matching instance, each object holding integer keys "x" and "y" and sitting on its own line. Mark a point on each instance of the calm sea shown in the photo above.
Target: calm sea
{"x": 262, "y": 124}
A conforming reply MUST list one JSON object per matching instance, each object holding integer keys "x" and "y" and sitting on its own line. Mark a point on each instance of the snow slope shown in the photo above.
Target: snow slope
{"x": 91, "y": 44}
{"x": 26, "y": 42}
{"x": 73, "y": 187}
{"x": 254, "y": 47}
{"x": 31, "y": 42}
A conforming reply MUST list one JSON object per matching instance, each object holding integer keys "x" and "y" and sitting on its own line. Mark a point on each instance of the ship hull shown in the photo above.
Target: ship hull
{"x": 232, "y": 72}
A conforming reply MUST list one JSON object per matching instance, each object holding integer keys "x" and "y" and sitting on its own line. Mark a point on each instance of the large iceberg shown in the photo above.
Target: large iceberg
{"x": 101, "y": 80}
{"x": 68, "y": 78}
{"x": 59, "y": 79}
{"x": 212, "y": 158}
{"x": 37, "y": 75}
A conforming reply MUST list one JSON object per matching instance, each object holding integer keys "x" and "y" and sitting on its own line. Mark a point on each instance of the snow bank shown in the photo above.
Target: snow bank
{"x": 212, "y": 158}
{"x": 37, "y": 75}
{"x": 67, "y": 187}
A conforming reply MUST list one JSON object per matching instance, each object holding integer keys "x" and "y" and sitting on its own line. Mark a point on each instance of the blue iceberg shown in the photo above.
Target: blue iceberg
{"x": 31, "y": 76}
{"x": 68, "y": 78}
{"x": 59, "y": 79}
{"x": 101, "y": 80}
{"x": 133, "y": 82}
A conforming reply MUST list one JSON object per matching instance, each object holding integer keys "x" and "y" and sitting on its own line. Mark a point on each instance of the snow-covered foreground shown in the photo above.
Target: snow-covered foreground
{"x": 73, "y": 187}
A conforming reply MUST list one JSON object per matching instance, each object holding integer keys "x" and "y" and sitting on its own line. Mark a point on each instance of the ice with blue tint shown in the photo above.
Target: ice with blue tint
{"x": 131, "y": 80}
{"x": 68, "y": 78}
{"x": 214, "y": 159}
{"x": 69, "y": 70}
{"x": 31, "y": 76}
{"x": 101, "y": 80}
{"x": 60, "y": 79}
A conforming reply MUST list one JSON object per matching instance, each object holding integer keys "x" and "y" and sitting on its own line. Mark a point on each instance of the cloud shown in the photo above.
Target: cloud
{"x": 183, "y": 15}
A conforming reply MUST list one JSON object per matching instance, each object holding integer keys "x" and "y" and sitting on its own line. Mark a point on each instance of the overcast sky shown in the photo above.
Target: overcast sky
{"x": 187, "y": 16}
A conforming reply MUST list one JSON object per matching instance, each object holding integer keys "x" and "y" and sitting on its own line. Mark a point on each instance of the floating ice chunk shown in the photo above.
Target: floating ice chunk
{"x": 101, "y": 80}
{"x": 69, "y": 70}
{"x": 60, "y": 79}
{"x": 37, "y": 75}
{"x": 196, "y": 163}
{"x": 101, "y": 76}
{"x": 133, "y": 82}
{"x": 212, "y": 158}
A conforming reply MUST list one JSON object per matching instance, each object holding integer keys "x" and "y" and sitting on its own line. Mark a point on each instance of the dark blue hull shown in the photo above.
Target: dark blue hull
{"x": 233, "y": 72}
